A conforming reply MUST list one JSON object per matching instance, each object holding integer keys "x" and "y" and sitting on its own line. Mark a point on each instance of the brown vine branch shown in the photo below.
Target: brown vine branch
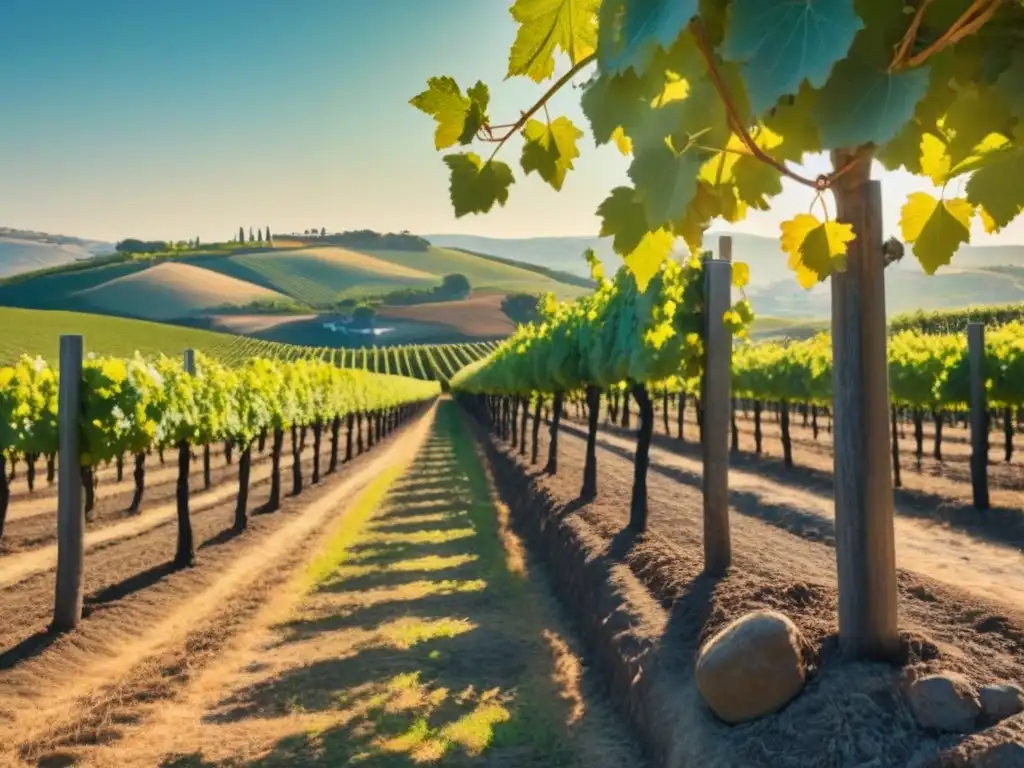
{"x": 512, "y": 128}
{"x": 736, "y": 124}
{"x": 907, "y": 42}
{"x": 970, "y": 21}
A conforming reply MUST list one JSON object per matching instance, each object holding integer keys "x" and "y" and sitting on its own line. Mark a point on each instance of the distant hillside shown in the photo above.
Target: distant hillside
{"x": 26, "y": 251}
{"x": 978, "y": 274}
{"x": 297, "y": 286}
{"x": 172, "y": 290}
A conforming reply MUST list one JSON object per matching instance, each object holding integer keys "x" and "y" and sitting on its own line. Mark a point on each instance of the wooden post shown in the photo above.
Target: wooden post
{"x": 716, "y": 402}
{"x": 865, "y": 542}
{"x": 725, "y": 249}
{"x": 979, "y": 415}
{"x": 67, "y": 610}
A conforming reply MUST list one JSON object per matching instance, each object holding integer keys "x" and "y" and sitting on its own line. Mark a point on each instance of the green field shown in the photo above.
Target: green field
{"x": 37, "y": 332}
{"x": 320, "y": 276}
{"x": 481, "y": 272}
{"x": 294, "y": 276}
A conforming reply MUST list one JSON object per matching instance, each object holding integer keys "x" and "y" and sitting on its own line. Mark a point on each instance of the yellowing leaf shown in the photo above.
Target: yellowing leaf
{"x": 458, "y": 117}
{"x": 547, "y": 25}
{"x": 622, "y": 141}
{"x": 815, "y": 249}
{"x": 935, "y": 163}
{"x": 676, "y": 89}
{"x": 753, "y": 181}
{"x": 550, "y": 149}
{"x": 937, "y": 228}
{"x": 740, "y": 274}
{"x": 476, "y": 186}
{"x": 646, "y": 259}
{"x": 987, "y": 221}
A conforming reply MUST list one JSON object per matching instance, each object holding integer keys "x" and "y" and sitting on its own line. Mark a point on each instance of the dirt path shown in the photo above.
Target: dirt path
{"x": 142, "y": 642}
{"x": 936, "y": 551}
{"x": 418, "y": 635}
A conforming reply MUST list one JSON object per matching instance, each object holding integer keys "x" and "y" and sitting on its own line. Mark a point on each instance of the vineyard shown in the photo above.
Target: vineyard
{"x": 34, "y": 332}
{"x": 625, "y": 535}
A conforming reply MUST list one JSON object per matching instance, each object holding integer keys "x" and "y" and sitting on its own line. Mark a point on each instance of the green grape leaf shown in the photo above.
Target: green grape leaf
{"x": 861, "y": 103}
{"x": 781, "y": 43}
{"x": 550, "y": 149}
{"x": 903, "y": 150}
{"x": 476, "y": 115}
{"x": 974, "y": 115}
{"x": 476, "y": 186}
{"x": 1011, "y": 85}
{"x": 753, "y": 181}
{"x": 547, "y": 25}
{"x": 815, "y": 249}
{"x": 639, "y": 28}
{"x": 666, "y": 181}
{"x": 671, "y": 149}
{"x": 792, "y": 120}
{"x": 706, "y": 204}
{"x": 645, "y": 260}
{"x": 623, "y": 219}
{"x": 996, "y": 187}
{"x": 611, "y": 103}
{"x": 740, "y": 274}
{"x": 458, "y": 117}
{"x": 937, "y": 228}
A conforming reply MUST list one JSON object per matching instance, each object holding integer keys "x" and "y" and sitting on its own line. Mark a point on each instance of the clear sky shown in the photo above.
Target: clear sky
{"x": 184, "y": 118}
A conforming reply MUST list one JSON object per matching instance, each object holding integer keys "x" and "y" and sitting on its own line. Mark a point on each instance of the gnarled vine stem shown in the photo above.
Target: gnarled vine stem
{"x": 969, "y": 22}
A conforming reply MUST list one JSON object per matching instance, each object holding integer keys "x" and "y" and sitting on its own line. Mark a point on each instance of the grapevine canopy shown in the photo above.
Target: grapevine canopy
{"x": 718, "y": 100}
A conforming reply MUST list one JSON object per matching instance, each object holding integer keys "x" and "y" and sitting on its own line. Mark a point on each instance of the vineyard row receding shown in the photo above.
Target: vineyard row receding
{"x": 92, "y": 411}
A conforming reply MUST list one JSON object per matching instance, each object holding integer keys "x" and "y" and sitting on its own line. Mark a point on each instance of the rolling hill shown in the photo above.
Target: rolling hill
{"x": 303, "y": 273}
{"x": 169, "y": 291}
{"x": 978, "y": 274}
{"x": 24, "y": 251}
{"x": 37, "y": 332}
{"x": 320, "y": 275}
{"x": 482, "y": 272}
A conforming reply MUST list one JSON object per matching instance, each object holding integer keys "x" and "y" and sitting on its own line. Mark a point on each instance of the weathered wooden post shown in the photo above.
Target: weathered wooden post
{"x": 67, "y": 610}
{"x": 185, "y": 556}
{"x": 716, "y": 401}
{"x": 979, "y": 414}
{"x": 865, "y": 540}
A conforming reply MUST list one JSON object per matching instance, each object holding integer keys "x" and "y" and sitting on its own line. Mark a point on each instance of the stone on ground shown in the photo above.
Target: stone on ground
{"x": 1002, "y": 700}
{"x": 752, "y": 667}
{"x": 944, "y": 702}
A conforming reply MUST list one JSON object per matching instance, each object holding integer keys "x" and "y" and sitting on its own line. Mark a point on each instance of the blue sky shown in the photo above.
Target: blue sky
{"x": 184, "y": 118}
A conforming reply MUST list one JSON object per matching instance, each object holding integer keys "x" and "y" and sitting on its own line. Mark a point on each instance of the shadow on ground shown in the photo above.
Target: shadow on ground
{"x": 425, "y": 643}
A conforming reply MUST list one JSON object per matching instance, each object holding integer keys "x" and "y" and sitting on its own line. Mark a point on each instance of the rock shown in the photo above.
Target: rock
{"x": 1001, "y": 701}
{"x": 944, "y": 702}
{"x": 752, "y": 667}
{"x": 1006, "y": 755}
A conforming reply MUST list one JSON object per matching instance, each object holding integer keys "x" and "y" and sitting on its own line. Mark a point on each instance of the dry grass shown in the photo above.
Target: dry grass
{"x": 422, "y": 638}
{"x": 478, "y": 316}
{"x": 173, "y": 290}
{"x": 366, "y": 263}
